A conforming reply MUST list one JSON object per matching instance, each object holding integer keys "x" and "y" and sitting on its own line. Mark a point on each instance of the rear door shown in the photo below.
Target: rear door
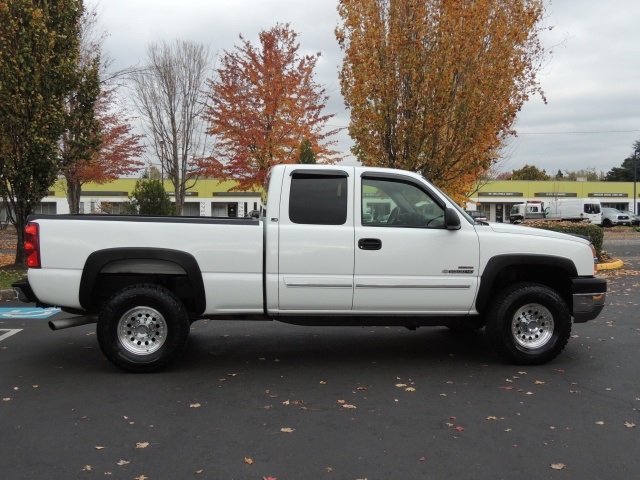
{"x": 316, "y": 240}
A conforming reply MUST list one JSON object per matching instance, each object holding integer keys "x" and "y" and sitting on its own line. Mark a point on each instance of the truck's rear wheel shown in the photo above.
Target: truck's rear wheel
{"x": 529, "y": 324}
{"x": 142, "y": 328}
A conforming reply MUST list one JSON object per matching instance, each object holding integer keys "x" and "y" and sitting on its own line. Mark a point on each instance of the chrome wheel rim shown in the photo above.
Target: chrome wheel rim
{"x": 532, "y": 326}
{"x": 142, "y": 330}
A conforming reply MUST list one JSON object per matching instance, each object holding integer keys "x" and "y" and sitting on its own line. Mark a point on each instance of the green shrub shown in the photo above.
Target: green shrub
{"x": 593, "y": 232}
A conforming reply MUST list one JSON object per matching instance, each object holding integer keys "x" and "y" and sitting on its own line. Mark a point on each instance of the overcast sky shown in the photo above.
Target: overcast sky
{"x": 592, "y": 82}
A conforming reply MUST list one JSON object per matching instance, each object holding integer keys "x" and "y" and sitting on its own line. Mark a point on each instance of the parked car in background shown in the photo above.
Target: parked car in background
{"x": 635, "y": 219}
{"x": 477, "y": 215}
{"x": 612, "y": 217}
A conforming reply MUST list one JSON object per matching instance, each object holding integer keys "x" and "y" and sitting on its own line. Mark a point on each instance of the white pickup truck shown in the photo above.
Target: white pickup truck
{"x": 339, "y": 245}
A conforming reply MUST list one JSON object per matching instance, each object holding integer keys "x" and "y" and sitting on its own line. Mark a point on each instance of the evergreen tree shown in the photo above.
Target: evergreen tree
{"x": 306, "y": 152}
{"x": 150, "y": 198}
{"x": 624, "y": 173}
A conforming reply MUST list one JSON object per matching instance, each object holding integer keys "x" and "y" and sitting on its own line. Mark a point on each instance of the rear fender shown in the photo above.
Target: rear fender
{"x": 98, "y": 261}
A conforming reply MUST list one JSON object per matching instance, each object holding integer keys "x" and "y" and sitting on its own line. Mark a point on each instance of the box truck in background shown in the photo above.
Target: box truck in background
{"x": 574, "y": 209}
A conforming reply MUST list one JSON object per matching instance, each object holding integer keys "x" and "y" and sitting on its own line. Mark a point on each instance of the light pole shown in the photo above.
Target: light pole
{"x": 635, "y": 173}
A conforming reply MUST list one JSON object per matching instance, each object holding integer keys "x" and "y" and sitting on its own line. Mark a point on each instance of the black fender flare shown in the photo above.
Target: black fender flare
{"x": 97, "y": 260}
{"x": 499, "y": 262}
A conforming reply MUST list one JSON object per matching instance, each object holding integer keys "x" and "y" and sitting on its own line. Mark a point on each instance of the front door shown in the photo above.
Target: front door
{"x": 407, "y": 262}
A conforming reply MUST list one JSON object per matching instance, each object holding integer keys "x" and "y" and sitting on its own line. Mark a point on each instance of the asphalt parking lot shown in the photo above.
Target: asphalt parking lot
{"x": 262, "y": 400}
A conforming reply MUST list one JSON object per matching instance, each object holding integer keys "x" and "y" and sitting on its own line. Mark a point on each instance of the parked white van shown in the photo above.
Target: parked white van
{"x": 575, "y": 209}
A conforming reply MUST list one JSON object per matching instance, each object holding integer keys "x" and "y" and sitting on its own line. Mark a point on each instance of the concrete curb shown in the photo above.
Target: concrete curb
{"x": 7, "y": 294}
{"x": 610, "y": 266}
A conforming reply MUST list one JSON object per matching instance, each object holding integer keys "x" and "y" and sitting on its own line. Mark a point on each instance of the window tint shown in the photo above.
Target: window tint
{"x": 398, "y": 204}
{"x": 318, "y": 199}
{"x": 591, "y": 208}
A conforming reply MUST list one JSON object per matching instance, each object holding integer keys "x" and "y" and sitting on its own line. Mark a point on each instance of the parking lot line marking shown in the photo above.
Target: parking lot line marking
{"x": 8, "y": 332}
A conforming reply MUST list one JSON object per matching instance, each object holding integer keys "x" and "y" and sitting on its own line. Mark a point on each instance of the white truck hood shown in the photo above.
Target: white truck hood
{"x": 536, "y": 232}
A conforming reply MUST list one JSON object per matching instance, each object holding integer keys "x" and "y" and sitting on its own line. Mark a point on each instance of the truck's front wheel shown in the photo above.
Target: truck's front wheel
{"x": 142, "y": 328}
{"x": 529, "y": 324}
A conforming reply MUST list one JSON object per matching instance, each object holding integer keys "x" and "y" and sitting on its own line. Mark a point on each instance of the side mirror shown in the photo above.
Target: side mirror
{"x": 451, "y": 219}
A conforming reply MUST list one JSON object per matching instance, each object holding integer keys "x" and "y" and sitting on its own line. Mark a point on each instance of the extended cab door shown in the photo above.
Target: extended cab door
{"x": 406, "y": 261}
{"x": 316, "y": 247}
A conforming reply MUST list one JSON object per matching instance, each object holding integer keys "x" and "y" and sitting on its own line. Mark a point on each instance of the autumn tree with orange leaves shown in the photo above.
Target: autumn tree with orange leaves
{"x": 98, "y": 144}
{"x": 263, "y": 104}
{"x": 118, "y": 154}
{"x": 434, "y": 86}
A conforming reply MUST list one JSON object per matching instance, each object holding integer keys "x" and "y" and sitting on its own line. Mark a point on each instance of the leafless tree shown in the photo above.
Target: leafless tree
{"x": 168, "y": 95}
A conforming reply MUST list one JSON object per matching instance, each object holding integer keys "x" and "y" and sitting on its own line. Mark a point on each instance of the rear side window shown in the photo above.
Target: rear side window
{"x": 318, "y": 199}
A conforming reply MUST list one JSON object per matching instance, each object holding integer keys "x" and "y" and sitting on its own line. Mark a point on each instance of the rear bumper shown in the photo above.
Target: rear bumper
{"x": 589, "y": 295}
{"x": 23, "y": 291}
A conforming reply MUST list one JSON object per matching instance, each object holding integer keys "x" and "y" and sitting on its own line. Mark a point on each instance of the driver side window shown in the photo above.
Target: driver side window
{"x": 393, "y": 203}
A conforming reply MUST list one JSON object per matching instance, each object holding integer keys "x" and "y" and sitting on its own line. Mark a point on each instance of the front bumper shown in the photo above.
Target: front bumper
{"x": 589, "y": 295}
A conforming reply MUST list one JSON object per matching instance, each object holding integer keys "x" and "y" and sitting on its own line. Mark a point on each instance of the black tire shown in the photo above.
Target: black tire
{"x": 607, "y": 223}
{"x": 142, "y": 328}
{"x": 528, "y": 324}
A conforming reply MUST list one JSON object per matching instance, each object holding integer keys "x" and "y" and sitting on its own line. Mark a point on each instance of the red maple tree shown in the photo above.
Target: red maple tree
{"x": 263, "y": 104}
{"x": 118, "y": 155}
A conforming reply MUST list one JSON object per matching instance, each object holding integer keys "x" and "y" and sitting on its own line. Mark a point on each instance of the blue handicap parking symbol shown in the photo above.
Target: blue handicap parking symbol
{"x": 28, "y": 312}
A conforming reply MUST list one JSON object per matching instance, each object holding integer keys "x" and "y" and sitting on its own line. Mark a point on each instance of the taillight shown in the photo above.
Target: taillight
{"x": 32, "y": 245}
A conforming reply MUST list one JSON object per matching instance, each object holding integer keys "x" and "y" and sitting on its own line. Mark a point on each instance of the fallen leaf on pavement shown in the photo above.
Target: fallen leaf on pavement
{"x": 409, "y": 389}
{"x": 558, "y": 466}
{"x": 346, "y": 405}
{"x": 287, "y": 430}
{"x": 142, "y": 444}
{"x": 123, "y": 462}
{"x": 248, "y": 461}
{"x": 87, "y": 468}
{"x": 629, "y": 424}
{"x": 99, "y": 448}
{"x": 194, "y": 405}
{"x": 599, "y": 422}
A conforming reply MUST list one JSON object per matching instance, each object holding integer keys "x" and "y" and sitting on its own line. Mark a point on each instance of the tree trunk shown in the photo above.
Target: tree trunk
{"x": 178, "y": 195}
{"x": 21, "y": 223}
{"x": 73, "y": 195}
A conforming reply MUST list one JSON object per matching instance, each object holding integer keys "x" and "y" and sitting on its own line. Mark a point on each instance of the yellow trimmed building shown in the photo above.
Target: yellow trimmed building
{"x": 213, "y": 198}
{"x": 208, "y": 198}
{"x": 495, "y": 198}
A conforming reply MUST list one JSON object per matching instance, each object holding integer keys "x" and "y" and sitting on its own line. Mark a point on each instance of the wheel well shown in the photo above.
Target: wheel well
{"x": 109, "y": 271}
{"x": 553, "y": 276}
{"x": 107, "y": 284}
